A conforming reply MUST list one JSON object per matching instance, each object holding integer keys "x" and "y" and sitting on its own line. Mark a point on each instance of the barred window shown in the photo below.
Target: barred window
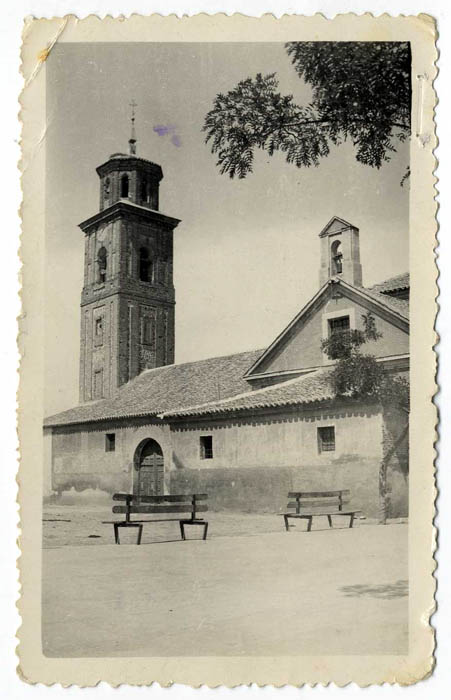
{"x": 326, "y": 439}
{"x": 338, "y": 325}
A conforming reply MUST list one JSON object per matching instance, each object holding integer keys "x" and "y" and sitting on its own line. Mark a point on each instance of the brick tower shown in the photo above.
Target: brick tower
{"x": 128, "y": 297}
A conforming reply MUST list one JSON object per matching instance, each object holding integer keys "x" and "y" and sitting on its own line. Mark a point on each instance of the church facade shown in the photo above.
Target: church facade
{"x": 245, "y": 428}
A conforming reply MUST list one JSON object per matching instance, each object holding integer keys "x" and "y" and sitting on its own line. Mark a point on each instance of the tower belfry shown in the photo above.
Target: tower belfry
{"x": 128, "y": 297}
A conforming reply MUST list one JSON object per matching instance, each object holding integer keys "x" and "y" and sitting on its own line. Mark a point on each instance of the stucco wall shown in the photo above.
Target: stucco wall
{"x": 256, "y": 462}
{"x": 79, "y": 459}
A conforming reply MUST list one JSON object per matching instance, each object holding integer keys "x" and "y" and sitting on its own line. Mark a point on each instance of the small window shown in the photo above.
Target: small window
{"x": 106, "y": 190}
{"x": 124, "y": 186}
{"x": 144, "y": 190}
{"x": 338, "y": 325}
{"x": 339, "y": 331}
{"x": 206, "y": 447}
{"x": 110, "y": 442}
{"x": 98, "y": 384}
{"x": 326, "y": 439}
{"x": 101, "y": 265}
{"x": 145, "y": 265}
{"x": 98, "y": 330}
{"x": 148, "y": 331}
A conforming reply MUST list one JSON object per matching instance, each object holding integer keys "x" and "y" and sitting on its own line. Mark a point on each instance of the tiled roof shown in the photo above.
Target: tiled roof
{"x": 309, "y": 388}
{"x": 392, "y": 284}
{"x": 167, "y": 388}
{"x": 392, "y": 303}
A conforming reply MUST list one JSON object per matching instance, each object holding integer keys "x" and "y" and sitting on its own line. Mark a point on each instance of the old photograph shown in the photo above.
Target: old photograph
{"x": 226, "y": 349}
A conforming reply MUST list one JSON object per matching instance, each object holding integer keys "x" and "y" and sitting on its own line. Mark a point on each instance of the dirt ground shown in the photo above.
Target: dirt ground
{"x": 250, "y": 589}
{"x": 83, "y": 525}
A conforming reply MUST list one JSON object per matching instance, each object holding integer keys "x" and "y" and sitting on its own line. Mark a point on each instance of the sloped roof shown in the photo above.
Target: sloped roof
{"x": 401, "y": 306}
{"x": 398, "y": 308}
{"x": 392, "y": 284}
{"x": 166, "y": 388}
{"x": 335, "y": 225}
{"x": 309, "y": 388}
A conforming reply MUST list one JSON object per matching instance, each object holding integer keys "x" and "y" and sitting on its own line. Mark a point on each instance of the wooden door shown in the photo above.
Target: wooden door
{"x": 151, "y": 473}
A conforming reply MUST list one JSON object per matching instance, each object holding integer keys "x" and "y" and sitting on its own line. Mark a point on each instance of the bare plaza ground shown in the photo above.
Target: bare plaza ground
{"x": 250, "y": 589}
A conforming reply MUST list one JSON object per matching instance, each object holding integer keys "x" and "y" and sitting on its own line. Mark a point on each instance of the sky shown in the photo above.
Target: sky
{"x": 246, "y": 253}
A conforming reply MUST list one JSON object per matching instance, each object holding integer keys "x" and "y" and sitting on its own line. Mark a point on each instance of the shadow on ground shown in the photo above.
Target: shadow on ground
{"x": 385, "y": 591}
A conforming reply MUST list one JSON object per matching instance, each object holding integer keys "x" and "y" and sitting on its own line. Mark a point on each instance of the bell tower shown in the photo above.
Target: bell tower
{"x": 128, "y": 296}
{"x": 340, "y": 252}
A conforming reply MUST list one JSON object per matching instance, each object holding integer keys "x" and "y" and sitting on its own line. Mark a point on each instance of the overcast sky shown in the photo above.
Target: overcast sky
{"x": 246, "y": 255}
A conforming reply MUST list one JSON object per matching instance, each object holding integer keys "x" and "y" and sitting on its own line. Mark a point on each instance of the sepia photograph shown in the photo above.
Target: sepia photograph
{"x": 226, "y": 350}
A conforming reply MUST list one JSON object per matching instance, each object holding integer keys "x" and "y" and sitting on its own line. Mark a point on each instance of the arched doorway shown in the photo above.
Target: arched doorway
{"x": 149, "y": 469}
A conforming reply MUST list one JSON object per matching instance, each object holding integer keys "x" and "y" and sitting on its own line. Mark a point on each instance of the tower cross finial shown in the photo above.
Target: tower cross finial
{"x": 132, "y": 139}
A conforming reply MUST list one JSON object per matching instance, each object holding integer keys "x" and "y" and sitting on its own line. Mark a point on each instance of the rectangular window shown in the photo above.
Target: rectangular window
{"x": 326, "y": 439}
{"x": 98, "y": 384}
{"x": 148, "y": 331}
{"x": 110, "y": 442}
{"x": 98, "y": 330}
{"x": 206, "y": 447}
{"x": 338, "y": 325}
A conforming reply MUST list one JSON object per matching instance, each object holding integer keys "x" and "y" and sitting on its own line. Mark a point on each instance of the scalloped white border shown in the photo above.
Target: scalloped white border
{"x": 224, "y": 5}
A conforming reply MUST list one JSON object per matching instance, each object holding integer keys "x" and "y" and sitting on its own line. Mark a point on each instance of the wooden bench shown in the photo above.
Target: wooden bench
{"x": 186, "y": 503}
{"x": 310, "y": 504}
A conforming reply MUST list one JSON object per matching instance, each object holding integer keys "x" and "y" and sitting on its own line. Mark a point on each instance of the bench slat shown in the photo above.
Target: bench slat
{"x": 170, "y": 498}
{"x": 320, "y": 503}
{"x": 317, "y": 494}
{"x": 181, "y": 508}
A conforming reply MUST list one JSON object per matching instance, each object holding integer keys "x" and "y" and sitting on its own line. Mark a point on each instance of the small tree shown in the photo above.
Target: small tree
{"x": 359, "y": 376}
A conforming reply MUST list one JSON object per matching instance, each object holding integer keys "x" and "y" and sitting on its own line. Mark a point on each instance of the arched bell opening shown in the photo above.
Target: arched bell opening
{"x": 337, "y": 258}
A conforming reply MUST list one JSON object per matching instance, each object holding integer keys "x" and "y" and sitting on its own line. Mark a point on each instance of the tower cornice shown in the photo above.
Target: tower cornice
{"x": 123, "y": 207}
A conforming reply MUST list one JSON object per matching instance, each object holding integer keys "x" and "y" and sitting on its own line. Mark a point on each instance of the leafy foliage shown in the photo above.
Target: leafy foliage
{"x": 361, "y": 91}
{"x": 357, "y": 375}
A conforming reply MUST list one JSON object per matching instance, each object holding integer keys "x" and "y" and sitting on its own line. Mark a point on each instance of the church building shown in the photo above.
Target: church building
{"x": 244, "y": 428}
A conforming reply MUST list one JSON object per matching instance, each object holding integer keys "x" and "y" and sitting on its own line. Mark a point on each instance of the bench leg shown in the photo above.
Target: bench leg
{"x": 309, "y": 526}
{"x": 287, "y": 527}
{"x": 182, "y": 529}
{"x": 116, "y": 533}
{"x": 329, "y": 517}
{"x": 205, "y": 531}
{"x": 140, "y": 532}
{"x": 351, "y": 520}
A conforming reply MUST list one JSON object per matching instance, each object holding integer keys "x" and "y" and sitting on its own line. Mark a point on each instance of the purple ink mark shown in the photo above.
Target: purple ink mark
{"x": 169, "y": 129}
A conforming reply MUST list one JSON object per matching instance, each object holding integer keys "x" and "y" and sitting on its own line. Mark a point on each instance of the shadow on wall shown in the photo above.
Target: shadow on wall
{"x": 265, "y": 489}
